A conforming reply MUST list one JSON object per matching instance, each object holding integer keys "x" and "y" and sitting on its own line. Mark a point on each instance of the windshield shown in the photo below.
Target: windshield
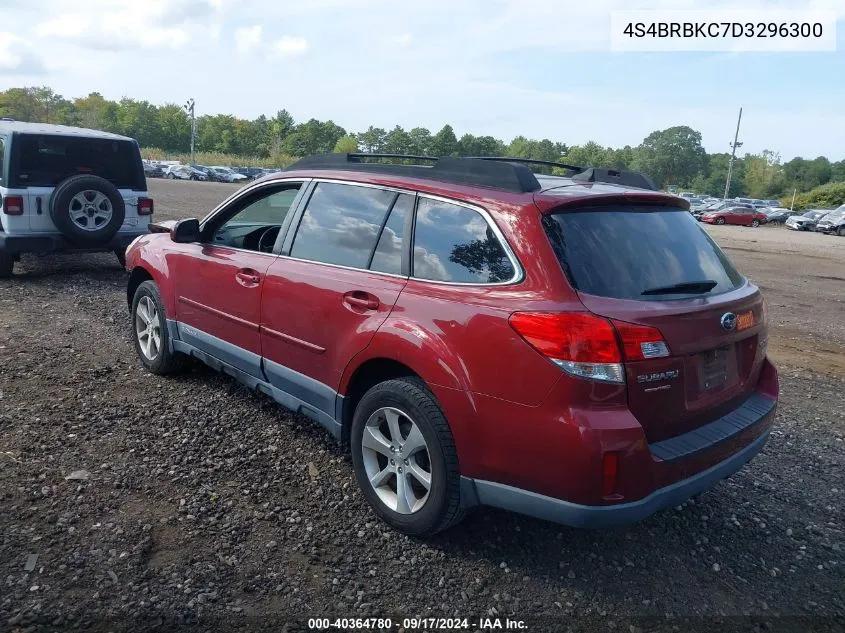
{"x": 652, "y": 247}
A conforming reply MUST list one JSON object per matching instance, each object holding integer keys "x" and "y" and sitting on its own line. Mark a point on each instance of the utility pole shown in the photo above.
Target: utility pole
{"x": 734, "y": 146}
{"x": 189, "y": 108}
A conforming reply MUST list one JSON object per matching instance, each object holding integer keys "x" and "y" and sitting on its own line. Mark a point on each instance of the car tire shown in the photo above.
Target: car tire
{"x": 148, "y": 314}
{"x": 406, "y": 407}
{"x": 841, "y": 231}
{"x": 170, "y": 176}
{"x": 720, "y": 220}
{"x": 7, "y": 265}
{"x": 87, "y": 209}
{"x": 755, "y": 223}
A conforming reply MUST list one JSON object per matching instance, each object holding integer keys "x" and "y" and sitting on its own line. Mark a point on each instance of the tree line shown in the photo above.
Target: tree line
{"x": 673, "y": 156}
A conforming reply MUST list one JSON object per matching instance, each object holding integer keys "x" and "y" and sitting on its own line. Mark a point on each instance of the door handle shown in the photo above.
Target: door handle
{"x": 248, "y": 277}
{"x": 361, "y": 300}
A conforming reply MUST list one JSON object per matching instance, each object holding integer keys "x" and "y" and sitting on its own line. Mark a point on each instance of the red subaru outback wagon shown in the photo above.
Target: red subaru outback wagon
{"x": 573, "y": 348}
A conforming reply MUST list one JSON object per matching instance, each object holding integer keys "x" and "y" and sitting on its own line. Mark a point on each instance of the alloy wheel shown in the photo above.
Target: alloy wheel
{"x": 90, "y": 210}
{"x": 397, "y": 460}
{"x": 148, "y": 328}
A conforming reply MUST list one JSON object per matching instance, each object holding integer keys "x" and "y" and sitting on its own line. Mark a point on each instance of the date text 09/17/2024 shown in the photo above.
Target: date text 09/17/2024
{"x": 419, "y": 624}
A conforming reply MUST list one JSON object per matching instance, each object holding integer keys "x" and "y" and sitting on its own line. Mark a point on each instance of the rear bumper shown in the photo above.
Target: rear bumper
{"x": 57, "y": 243}
{"x": 577, "y": 515}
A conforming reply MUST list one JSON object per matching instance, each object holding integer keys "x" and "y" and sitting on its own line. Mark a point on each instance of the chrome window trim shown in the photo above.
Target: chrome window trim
{"x": 234, "y": 248}
{"x": 518, "y": 271}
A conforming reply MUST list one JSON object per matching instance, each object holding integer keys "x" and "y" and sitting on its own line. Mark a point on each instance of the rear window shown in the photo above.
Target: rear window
{"x": 623, "y": 252}
{"x": 44, "y": 160}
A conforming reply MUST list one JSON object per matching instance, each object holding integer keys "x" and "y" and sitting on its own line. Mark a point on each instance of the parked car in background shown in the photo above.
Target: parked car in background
{"x": 779, "y": 215}
{"x": 184, "y": 172}
{"x": 250, "y": 172}
{"x": 807, "y": 220}
{"x": 738, "y": 214}
{"x": 833, "y": 222}
{"x": 636, "y": 355}
{"x": 772, "y": 204}
{"x": 68, "y": 189}
{"x": 153, "y": 170}
{"x": 227, "y": 174}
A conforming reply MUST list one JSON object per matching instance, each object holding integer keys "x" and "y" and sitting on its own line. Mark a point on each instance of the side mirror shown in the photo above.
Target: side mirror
{"x": 186, "y": 231}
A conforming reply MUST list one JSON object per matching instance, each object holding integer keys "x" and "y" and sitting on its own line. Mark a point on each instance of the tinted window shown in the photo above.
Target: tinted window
{"x": 341, "y": 224}
{"x": 46, "y": 160}
{"x": 621, "y": 252}
{"x": 388, "y": 255}
{"x": 453, "y": 243}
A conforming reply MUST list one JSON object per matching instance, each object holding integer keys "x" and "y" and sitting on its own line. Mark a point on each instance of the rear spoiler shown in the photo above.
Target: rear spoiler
{"x": 616, "y": 177}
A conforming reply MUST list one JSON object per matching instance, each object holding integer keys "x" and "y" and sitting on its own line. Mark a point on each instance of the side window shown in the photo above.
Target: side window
{"x": 340, "y": 225}
{"x": 256, "y": 226}
{"x": 453, "y": 243}
{"x": 388, "y": 255}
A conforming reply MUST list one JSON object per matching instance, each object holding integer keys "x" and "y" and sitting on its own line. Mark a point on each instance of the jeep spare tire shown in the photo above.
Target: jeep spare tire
{"x": 87, "y": 209}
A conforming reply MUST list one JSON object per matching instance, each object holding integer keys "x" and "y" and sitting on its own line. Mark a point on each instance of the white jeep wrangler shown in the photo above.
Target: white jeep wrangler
{"x": 67, "y": 189}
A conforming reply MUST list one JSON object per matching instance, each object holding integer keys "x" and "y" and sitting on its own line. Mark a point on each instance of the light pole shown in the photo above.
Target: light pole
{"x": 189, "y": 108}
{"x": 734, "y": 147}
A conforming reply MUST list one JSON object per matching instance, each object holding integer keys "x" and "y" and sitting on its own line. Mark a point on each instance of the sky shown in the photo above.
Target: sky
{"x": 538, "y": 68}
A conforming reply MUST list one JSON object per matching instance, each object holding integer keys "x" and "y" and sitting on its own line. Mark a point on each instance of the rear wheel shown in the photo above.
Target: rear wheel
{"x": 405, "y": 459}
{"x": 841, "y": 231}
{"x": 7, "y": 265}
{"x": 149, "y": 331}
{"x": 720, "y": 220}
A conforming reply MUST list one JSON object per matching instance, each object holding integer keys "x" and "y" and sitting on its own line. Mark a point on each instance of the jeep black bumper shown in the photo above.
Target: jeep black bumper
{"x": 57, "y": 243}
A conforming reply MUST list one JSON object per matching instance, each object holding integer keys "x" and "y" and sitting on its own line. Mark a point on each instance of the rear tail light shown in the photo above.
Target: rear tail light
{"x": 586, "y": 345}
{"x": 641, "y": 342}
{"x": 145, "y": 206}
{"x": 13, "y": 205}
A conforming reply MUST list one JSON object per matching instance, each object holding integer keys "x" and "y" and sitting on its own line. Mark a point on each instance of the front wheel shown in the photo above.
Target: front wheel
{"x": 405, "y": 459}
{"x": 149, "y": 331}
{"x": 720, "y": 220}
{"x": 755, "y": 223}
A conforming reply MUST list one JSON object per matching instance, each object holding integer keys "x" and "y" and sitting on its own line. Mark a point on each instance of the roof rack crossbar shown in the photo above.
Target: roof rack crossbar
{"x": 530, "y": 161}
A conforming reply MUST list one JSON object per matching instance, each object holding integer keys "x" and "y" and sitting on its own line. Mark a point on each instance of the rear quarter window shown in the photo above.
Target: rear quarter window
{"x": 621, "y": 252}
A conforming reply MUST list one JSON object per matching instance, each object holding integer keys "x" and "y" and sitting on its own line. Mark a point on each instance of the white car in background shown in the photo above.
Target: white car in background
{"x": 227, "y": 174}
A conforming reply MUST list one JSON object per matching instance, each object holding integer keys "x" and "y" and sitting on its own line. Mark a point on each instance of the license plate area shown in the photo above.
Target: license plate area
{"x": 716, "y": 369}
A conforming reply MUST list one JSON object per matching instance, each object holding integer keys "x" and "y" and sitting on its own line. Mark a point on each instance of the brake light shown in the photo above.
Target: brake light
{"x": 145, "y": 206}
{"x": 580, "y": 343}
{"x": 641, "y": 342}
{"x": 13, "y": 205}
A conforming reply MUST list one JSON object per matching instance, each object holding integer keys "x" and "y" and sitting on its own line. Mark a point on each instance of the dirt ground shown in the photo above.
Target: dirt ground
{"x": 198, "y": 507}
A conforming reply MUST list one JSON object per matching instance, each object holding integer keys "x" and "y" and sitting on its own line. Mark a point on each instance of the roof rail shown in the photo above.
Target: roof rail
{"x": 461, "y": 171}
{"x": 497, "y": 172}
{"x": 530, "y": 161}
{"x": 616, "y": 177}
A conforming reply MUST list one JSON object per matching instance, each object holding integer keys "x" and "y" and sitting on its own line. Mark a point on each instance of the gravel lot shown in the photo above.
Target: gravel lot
{"x": 203, "y": 503}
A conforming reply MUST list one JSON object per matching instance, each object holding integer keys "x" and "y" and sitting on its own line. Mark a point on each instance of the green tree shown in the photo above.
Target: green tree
{"x": 672, "y": 156}
{"x": 372, "y": 141}
{"x": 444, "y": 143}
{"x": 346, "y": 145}
{"x": 97, "y": 113}
{"x": 397, "y": 141}
{"x": 420, "y": 141}
{"x": 763, "y": 175}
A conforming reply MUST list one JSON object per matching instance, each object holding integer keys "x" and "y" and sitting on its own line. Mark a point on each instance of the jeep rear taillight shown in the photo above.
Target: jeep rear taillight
{"x": 13, "y": 205}
{"x": 586, "y": 345}
{"x": 145, "y": 206}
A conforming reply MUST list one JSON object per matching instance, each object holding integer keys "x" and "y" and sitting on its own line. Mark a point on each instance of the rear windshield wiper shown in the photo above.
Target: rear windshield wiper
{"x": 686, "y": 287}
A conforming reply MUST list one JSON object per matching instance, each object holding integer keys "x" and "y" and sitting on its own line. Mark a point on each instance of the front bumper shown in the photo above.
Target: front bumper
{"x": 57, "y": 243}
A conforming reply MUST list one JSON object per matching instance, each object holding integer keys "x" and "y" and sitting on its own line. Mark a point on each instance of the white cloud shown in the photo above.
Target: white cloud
{"x": 398, "y": 41}
{"x": 248, "y": 39}
{"x": 17, "y": 57}
{"x": 287, "y": 46}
